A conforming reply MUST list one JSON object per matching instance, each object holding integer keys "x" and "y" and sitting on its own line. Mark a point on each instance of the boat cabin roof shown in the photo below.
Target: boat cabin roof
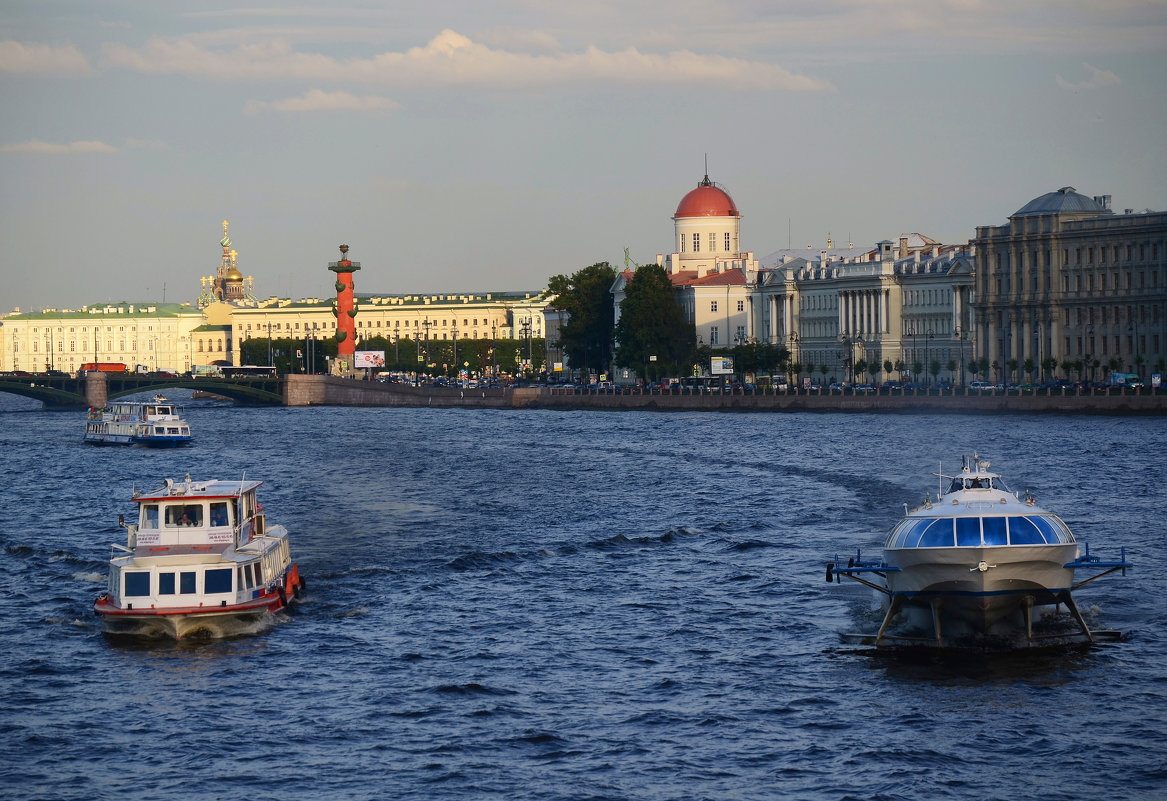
{"x": 974, "y": 475}
{"x": 187, "y": 490}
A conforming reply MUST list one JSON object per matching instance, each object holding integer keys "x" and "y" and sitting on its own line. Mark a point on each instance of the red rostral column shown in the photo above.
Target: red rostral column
{"x": 345, "y": 308}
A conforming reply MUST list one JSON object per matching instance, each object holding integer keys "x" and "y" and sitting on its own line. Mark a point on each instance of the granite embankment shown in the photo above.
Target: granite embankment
{"x": 310, "y": 390}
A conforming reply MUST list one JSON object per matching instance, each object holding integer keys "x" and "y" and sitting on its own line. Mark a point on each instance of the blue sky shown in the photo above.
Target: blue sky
{"x": 478, "y": 145}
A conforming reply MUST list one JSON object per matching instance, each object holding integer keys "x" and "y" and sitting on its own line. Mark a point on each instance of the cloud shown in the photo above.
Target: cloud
{"x": 145, "y": 144}
{"x": 37, "y": 146}
{"x": 451, "y": 60}
{"x": 318, "y": 100}
{"x": 1098, "y": 78}
{"x": 17, "y": 57}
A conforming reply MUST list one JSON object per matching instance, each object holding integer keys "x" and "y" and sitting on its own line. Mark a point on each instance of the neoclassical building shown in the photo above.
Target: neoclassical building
{"x": 178, "y": 337}
{"x": 1068, "y": 279}
{"x": 907, "y": 303}
{"x": 899, "y": 302}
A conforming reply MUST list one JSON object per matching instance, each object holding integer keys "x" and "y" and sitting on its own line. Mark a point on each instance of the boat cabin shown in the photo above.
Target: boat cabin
{"x": 210, "y": 513}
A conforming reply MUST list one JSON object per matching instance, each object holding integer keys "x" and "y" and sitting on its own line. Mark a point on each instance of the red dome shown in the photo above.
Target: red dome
{"x": 707, "y": 200}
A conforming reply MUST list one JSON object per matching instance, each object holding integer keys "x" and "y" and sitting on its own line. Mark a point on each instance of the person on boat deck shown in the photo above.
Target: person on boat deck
{"x": 218, "y": 514}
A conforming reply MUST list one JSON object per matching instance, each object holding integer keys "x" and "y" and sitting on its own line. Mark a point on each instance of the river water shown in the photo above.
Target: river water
{"x": 575, "y": 605}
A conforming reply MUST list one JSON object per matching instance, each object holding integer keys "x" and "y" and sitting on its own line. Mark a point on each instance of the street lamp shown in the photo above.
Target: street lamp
{"x": 960, "y": 343}
{"x": 1133, "y": 332}
{"x": 927, "y": 356}
{"x": 1090, "y": 353}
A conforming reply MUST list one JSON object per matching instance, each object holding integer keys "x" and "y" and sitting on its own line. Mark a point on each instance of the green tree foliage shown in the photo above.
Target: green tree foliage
{"x": 586, "y": 336}
{"x": 653, "y": 324}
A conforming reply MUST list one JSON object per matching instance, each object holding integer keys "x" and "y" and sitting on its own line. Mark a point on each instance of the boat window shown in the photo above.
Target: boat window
{"x": 258, "y": 574}
{"x": 218, "y": 580}
{"x": 185, "y": 515}
{"x": 186, "y": 583}
{"x": 912, "y": 535}
{"x": 166, "y": 584}
{"x": 245, "y": 577}
{"x": 1055, "y": 530}
{"x": 896, "y": 538}
{"x": 994, "y": 531}
{"x": 149, "y": 515}
{"x": 1022, "y": 531}
{"x": 968, "y": 531}
{"x": 137, "y": 583}
{"x": 937, "y": 535}
{"x": 219, "y": 513}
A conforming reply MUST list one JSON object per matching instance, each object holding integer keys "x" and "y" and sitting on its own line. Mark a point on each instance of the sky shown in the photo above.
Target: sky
{"x": 484, "y": 145}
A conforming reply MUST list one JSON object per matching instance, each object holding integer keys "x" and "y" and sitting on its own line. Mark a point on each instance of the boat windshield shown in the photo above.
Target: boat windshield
{"x": 184, "y": 515}
{"x": 946, "y": 532}
{"x": 977, "y": 482}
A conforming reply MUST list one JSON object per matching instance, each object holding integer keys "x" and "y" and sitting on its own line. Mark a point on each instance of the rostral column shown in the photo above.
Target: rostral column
{"x": 345, "y": 308}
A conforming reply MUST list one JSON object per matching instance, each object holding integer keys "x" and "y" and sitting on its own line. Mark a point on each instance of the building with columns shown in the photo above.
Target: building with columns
{"x": 713, "y": 276}
{"x": 906, "y": 303}
{"x": 178, "y": 337}
{"x": 1067, "y": 279}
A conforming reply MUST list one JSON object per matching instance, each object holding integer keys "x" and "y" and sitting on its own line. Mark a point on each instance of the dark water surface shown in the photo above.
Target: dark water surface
{"x": 579, "y": 605}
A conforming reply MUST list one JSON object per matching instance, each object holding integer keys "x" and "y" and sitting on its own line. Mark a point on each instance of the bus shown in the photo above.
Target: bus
{"x": 104, "y": 367}
{"x": 247, "y": 371}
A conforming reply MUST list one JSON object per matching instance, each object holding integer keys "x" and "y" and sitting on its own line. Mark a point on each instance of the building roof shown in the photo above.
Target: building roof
{"x": 707, "y": 200}
{"x": 734, "y": 277}
{"x": 1064, "y": 201}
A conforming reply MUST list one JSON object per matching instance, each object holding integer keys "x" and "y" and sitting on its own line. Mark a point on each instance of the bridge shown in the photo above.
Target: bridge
{"x": 96, "y": 389}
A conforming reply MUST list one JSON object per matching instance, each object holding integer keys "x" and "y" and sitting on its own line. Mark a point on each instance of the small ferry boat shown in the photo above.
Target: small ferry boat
{"x": 156, "y": 423}
{"x": 977, "y": 561}
{"x": 201, "y": 558}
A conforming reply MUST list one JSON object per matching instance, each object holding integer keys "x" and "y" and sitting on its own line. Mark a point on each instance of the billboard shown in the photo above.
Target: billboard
{"x": 721, "y": 365}
{"x": 369, "y": 358}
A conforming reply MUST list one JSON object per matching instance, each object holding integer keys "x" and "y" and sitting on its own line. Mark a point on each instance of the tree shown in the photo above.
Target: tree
{"x": 1049, "y": 364}
{"x": 951, "y": 368}
{"x": 586, "y": 296}
{"x": 860, "y": 368}
{"x": 1028, "y": 366}
{"x": 653, "y": 326}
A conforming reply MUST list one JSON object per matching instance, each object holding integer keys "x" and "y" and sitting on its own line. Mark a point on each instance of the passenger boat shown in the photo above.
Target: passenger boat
{"x": 156, "y": 423}
{"x": 978, "y": 560}
{"x": 201, "y": 558}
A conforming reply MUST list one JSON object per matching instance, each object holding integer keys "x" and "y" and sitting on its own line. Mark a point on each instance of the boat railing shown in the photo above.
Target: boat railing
{"x": 1086, "y": 561}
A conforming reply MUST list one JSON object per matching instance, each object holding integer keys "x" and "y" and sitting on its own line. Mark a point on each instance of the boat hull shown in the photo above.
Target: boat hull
{"x": 162, "y": 442}
{"x": 981, "y": 585}
{"x": 181, "y": 622}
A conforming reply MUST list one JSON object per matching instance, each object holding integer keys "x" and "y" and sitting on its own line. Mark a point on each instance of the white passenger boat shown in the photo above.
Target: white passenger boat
{"x": 156, "y": 423}
{"x": 978, "y": 560}
{"x": 201, "y": 558}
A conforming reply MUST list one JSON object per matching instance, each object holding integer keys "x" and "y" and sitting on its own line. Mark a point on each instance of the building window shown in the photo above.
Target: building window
{"x": 727, "y": 241}
{"x": 713, "y": 305}
{"x": 741, "y": 333}
{"x": 696, "y": 243}
{"x": 741, "y": 305}
{"x": 682, "y": 243}
{"x": 713, "y": 335}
